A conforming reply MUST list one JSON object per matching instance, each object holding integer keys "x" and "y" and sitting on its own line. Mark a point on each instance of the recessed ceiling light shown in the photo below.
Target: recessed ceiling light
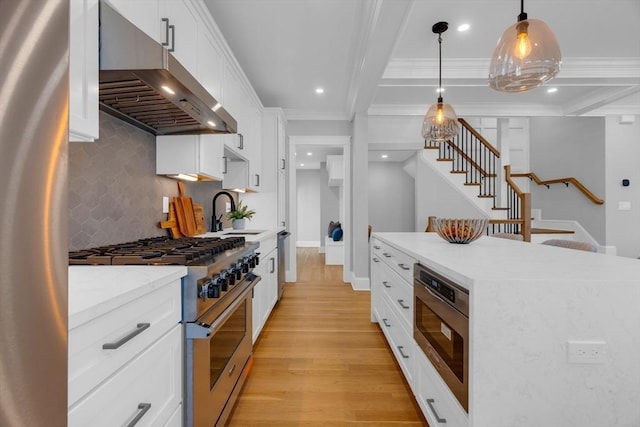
{"x": 168, "y": 89}
{"x": 463, "y": 27}
{"x": 301, "y": 164}
{"x": 439, "y": 90}
{"x": 210, "y": 123}
{"x": 384, "y": 156}
{"x": 319, "y": 90}
{"x": 552, "y": 90}
{"x": 309, "y": 153}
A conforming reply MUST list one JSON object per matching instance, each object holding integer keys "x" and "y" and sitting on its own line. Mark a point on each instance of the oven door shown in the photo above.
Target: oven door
{"x": 218, "y": 354}
{"x": 442, "y": 332}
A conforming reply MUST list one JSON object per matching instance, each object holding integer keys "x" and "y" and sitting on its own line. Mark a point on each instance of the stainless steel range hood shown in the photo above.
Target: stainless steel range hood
{"x": 137, "y": 76}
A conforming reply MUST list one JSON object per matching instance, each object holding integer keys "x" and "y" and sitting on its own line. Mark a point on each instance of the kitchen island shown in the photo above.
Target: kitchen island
{"x": 527, "y": 302}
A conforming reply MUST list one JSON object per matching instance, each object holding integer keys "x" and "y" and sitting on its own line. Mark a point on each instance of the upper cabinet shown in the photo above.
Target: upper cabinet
{"x": 83, "y": 70}
{"x": 195, "y": 157}
{"x": 173, "y": 23}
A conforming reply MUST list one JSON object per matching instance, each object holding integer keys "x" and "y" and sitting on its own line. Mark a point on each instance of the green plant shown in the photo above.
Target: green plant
{"x": 242, "y": 211}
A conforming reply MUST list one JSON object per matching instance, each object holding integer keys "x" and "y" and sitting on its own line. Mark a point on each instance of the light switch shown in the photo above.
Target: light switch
{"x": 624, "y": 206}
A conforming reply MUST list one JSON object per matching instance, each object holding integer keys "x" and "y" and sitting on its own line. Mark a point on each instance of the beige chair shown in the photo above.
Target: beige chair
{"x": 570, "y": 244}
{"x": 509, "y": 236}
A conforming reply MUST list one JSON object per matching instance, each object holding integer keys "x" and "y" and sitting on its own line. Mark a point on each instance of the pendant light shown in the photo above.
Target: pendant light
{"x": 440, "y": 123}
{"x": 526, "y": 56}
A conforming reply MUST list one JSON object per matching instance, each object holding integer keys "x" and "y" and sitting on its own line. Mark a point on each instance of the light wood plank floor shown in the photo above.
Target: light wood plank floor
{"x": 321, "y": 362}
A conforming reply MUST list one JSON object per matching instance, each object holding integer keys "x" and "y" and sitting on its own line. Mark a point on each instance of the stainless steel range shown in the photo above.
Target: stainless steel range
{"x": 216, "y": 312}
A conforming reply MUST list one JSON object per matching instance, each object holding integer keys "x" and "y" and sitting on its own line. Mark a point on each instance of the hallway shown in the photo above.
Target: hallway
{"x": 320, "y": 361}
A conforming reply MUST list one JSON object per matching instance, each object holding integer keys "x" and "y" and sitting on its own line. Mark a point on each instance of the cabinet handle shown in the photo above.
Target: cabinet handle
{"x": 432, "y": 408}
{"x": 404, "y": 267}
{"x": 166, "y": 34}
{"x": 284, "y": 163}
{"x": 376, "y": 260}
{"x": 401, "y": 302}
{"x": 240, "y": 141}
{"x": 283, "y": 223}
{"x": 376, "y": 247}
{"x": 401, "y": 350}
{"x": 173, "y": 38}
{"x": 143, "y": 408}
{"x": 273, "y": 265}
{"x": 233, "y": 368}
{"x": 386, "y": 323}
{"x": 257, "y": 180}
{"x": 386, "y": 284}
{"x": 224, "y": 165}
{"x": 386, "y": 255}
{"x": 140, "y": 327}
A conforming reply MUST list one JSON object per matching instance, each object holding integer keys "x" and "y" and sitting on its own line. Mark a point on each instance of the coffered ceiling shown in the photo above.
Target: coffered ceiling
{"x": 381, "y": 57}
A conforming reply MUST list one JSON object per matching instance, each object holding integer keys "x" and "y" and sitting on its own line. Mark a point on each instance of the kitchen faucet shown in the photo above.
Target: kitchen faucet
{"x": 216, "y": 224}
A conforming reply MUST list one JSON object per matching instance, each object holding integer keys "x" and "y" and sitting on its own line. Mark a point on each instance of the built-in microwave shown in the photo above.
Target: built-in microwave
{"x": 441, "y": 328}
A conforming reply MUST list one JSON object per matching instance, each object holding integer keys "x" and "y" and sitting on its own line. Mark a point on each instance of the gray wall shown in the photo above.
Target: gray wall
{"x": 563, "y": 147}
{"x": 318, "y": 127}
{"x": 114, "y": 194}
{"x": 329, "y": 202}
{"x": 308, "y": 193}
{"x": 391, "y": 197}
{"x": 622, "y": 157}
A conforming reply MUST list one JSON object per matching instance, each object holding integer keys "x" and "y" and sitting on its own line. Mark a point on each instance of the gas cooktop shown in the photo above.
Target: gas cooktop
{"x": 189, "y": 251}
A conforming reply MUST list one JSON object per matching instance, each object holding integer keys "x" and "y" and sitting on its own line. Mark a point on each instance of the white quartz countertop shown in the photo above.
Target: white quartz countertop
{"x": 95, "y": 290}
{"x": 250, "y": 235}
{"x": 491, "y": 258}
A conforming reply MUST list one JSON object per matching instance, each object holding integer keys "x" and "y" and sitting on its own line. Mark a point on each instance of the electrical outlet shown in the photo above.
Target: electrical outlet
{"x": 227, "y": 207}
{"x": 586, "y": 351}
{"x": 165, "y": 204}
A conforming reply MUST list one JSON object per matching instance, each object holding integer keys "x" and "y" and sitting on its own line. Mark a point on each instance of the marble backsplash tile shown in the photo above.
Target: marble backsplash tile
{"x": 115, "y": 195}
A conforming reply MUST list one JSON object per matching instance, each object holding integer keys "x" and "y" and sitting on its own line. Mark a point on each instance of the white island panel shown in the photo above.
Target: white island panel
{"x": 526, "y": 302}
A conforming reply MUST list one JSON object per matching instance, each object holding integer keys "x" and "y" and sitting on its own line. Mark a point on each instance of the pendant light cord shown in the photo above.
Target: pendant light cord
{"x": 522, "y": 16}
{"x": 440, "y": 67}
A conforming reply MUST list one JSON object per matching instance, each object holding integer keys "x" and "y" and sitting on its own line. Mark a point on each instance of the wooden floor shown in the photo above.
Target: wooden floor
{"x": 321, "y": 362}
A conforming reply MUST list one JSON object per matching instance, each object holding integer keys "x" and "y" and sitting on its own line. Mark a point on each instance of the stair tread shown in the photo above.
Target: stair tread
{"x": 444, "y": 159}
{"x": 472, "y": 183}
{"x": 550, "y": 231}
{"x": 500, "y": 209}
{"x": 486, "y": 196}
{"x": 459, "y": 172}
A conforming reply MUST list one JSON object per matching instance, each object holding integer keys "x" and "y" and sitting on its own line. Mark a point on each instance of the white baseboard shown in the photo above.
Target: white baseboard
{"x": 321, "y": 250}
{"x": 308, "y": 244}
{"x": 360, "y": 283}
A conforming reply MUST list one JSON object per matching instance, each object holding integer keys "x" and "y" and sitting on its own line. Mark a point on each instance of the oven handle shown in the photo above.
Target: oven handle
{"x": 204, "y": 331}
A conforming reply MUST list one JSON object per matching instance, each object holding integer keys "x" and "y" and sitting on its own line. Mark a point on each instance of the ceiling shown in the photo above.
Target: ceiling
{"x": 381, "y": 57}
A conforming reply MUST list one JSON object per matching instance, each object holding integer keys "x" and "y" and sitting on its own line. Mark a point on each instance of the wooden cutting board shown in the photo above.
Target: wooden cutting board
{"x": 201, "y": 224}
{"x": 184, "y": 212}
{"x": 172, "y": 222}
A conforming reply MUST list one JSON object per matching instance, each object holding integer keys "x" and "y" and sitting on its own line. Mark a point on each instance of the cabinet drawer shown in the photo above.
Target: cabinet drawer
{"x": 153, "y": 378}
{"x": 176, "y": 418}
{"x": 399, "y": 339}
{"x": 439, "y": 405}
{"x": 90, "y": 363}
{"x": 400, "y": 262}
{"x": 267, "y": 245}
{"x": 399, "y": 295}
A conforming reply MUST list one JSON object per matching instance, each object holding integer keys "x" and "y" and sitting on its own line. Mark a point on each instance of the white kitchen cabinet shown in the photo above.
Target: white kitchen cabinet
{"x": 265, "y": 293}
{"x": 174, "y": 23}
{"x": 125, "y": 346}
{"x": 83, "y": 70}
{"x": 200, "y": 156}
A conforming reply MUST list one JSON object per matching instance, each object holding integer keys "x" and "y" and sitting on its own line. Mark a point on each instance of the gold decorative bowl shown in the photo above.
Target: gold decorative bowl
{"x": 460, "y": 230}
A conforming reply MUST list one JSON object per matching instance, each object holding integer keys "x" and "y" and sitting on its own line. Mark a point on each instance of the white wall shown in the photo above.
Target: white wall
{"x": 622, "y": 159}
{"x": 391, "y": 197}
{"x": 318, "y": 127}
{"x": 563, "y": 147}
{"x": 308, "y": 197}
{"x": 436, "y": 196}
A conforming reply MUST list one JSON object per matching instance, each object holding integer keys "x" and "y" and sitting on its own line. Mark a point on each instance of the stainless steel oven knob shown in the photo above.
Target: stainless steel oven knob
{"x": 214, "y": 289}
{"x": 257, "y": 258}
{"x": 224, "y": 281}
{"x": 238, "y": 271}
{"x": 204, "y": 289}
{"x": 231, "y": 276}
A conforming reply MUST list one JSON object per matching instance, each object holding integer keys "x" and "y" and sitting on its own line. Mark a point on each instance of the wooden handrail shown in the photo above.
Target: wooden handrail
{"x": 468, "y": 159}
{"x": 475, "y": 133}
{"x": 525, "y": 205}
{"x": 565, "y": 181}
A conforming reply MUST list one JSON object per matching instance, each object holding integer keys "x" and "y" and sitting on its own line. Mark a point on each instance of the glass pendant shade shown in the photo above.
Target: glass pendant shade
{"x": 440, "y": 123}
{"x": 526, "y": 56}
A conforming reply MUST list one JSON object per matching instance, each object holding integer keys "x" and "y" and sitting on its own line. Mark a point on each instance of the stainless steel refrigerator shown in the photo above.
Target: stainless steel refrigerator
{"x": 34, "y": 73}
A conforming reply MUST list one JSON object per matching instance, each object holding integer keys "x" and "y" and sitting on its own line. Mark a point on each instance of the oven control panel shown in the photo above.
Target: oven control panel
{"x": 450, "y": 292}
